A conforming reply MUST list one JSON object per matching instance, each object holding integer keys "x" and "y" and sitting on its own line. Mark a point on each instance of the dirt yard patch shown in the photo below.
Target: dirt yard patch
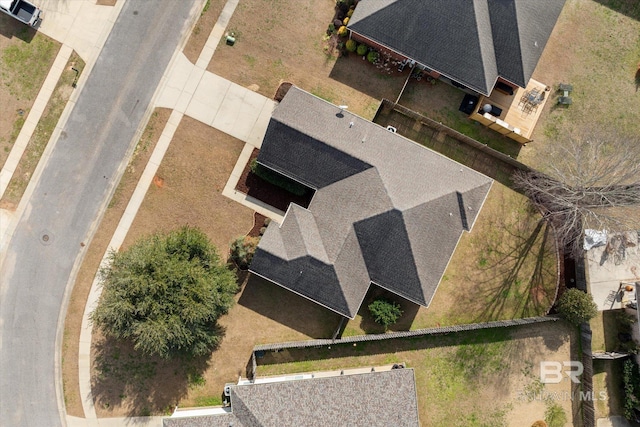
{"x": 278, "y": 40}
{"x": 93, "y": 257}
{"x": 193, "y": 174}
{"x": 25, "y": 59}
{"x": 468, "y": 379}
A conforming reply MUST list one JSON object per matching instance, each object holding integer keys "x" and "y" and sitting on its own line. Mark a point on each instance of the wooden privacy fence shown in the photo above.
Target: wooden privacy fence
{"x": 393, "y": 335}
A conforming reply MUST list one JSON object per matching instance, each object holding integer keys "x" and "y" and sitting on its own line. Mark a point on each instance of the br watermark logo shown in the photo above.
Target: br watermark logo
{"x": 552, "y": 372}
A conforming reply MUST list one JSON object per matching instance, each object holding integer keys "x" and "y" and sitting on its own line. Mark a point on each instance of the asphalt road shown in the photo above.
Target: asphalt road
{"x": 67, "y": 200}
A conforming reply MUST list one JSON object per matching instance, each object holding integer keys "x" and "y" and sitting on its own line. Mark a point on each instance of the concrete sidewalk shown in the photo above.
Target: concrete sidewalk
{"x": 81, "y": 26}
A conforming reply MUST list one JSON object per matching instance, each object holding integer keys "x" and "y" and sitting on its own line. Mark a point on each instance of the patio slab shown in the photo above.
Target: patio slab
{"x": 606, "y": 273}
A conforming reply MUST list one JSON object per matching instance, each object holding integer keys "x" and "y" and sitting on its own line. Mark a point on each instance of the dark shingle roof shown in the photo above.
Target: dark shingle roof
{"x": 373, "y": 399}
{"x": 390, "y": 212}
{"x": 471, "y": 41}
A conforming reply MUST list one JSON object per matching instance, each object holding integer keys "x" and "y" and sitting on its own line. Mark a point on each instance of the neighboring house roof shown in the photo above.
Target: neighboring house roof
{"x": 386, "y": 210}
{"x": 470, "y": 41}
{"x": 385, "y": 398}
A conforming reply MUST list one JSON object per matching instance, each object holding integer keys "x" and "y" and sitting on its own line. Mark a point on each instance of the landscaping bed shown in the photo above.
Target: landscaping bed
{"x": 256, "y": 187}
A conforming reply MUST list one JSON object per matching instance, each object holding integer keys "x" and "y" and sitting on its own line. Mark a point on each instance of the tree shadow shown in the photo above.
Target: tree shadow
{"x": 10, "y": 27}
{"x": 145, "y": 385}
{"x": 507, "y": 293}
{"x": 630, "y": 8}
{"x": 288, "y": 308}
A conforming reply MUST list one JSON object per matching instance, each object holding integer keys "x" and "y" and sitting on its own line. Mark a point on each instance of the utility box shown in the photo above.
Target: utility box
{"x": 231, "y": 40}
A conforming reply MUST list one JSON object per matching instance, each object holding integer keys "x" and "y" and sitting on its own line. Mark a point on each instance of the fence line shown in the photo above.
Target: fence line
{"x": 404, "y": 334}
{"x": 588, "y": 410}
{"x": 454, "y": 134}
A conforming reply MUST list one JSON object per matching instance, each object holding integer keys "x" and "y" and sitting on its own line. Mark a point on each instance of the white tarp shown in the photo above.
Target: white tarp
{"x": 594, "y": 238}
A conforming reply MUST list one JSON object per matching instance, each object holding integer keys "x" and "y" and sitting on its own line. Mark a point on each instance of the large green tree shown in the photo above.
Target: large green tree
{"x": 165, "y": 293}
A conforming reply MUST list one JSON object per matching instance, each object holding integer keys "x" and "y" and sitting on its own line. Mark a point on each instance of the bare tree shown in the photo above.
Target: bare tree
{"x": 588, "y": 182}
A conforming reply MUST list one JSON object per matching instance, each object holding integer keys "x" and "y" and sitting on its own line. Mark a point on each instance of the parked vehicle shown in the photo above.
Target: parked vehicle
{"x": 22, "y": 10}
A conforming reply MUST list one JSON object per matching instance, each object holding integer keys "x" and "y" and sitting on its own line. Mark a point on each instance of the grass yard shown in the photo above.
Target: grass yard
{"x": 188, "y": 191}
{"x": 25, "y": 59}
{"x": 505, "y": 268}
{"x": 468, "y": 379}
{"x": 278, "y": 40}
{"x": 42, "y": 133}
{"x": 596, "y": 48}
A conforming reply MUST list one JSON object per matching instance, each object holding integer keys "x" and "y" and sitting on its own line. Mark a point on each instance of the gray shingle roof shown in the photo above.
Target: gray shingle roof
{"x": 386, "y": 210}
{"x": 373, "y": 399}
{"x": 471, "y": 41}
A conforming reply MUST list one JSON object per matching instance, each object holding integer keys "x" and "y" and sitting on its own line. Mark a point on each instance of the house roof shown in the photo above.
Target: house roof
{"x": 470, "y": 41}
{"x": 385, "y": 398}
{"x": 386, "y": 210}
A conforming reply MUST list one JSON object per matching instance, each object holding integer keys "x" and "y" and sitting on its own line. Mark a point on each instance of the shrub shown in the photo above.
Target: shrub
{"x": 345, "y": 21}
{"x": 372, "y": 56}
{"x": 331, "y": 29}
{"x": 351, "y": 45}
{"x": 539, "y": 423}
{"x": 577, "y": 306}
{"x": 362, "y": 49}
{"x": 277, "y": 179}
{"x": 349, "y": 13}
{"x": 342, "y": 31}
{"x": 242, "y": 250}
{"x": 385, "y": 312}
{"x": 337, "y": 23}
{"x": 631, "y": 387}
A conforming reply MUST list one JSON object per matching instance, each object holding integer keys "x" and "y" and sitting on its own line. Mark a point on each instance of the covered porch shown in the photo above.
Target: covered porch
{"x": 514, "y": 115}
